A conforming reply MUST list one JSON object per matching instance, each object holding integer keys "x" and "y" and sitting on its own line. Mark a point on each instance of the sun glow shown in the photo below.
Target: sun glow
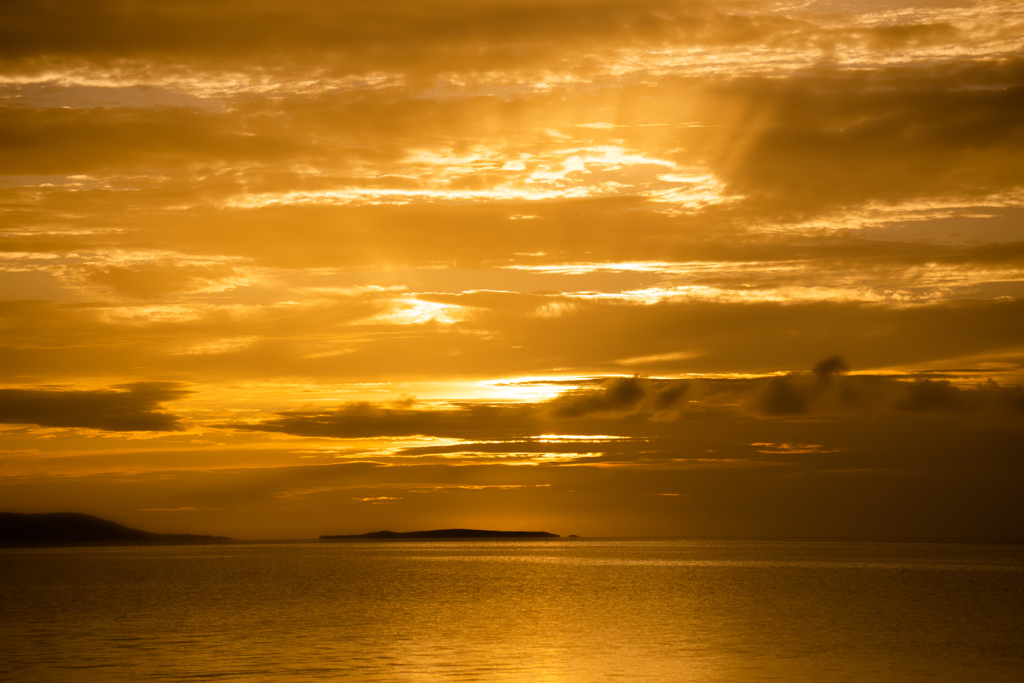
{"x": 526, "y": 389}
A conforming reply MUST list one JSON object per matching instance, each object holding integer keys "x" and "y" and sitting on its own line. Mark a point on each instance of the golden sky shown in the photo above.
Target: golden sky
{"x": 279, "y": 269}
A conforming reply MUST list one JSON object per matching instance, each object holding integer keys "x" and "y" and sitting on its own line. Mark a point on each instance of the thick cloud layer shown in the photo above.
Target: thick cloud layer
{"x": 619, "y": 406}
{"x": 133, "y": 407}
{"x": 355, "y": 37}
{"x": 604, "y": 242}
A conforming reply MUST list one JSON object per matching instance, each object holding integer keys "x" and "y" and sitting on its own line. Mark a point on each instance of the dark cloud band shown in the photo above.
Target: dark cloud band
{"x": 135, "y": 407}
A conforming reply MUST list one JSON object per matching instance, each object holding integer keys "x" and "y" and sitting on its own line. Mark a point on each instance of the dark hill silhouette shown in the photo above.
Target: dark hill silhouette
{"x": 70, "y": 528}
{"x": 444, "y": 533}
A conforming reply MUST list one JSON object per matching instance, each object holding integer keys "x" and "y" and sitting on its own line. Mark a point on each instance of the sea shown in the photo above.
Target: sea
{"x": 573, "y": 609}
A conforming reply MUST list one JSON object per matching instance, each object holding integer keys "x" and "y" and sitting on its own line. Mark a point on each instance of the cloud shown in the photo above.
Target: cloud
{"x": 615, "y": 395}
{"x": 313, "y": 42}
{"x": 644, "y": 407}
{"x": 941, "y": 396}
{"x": 931, "y": 135}
{"x": 367, "y": 420}
{"x": 934, "y": 396}
{"x": 332, "y": 340}
{"x": 833, "y": 394}
{"x": 76, "y": 141}
{"x": 618, "y": 396}
{"x": 132, "y": 407}
{"x": 780, "y": 397}
{"x": 156, "y": 280}
{"x": 833, "y": 365}
{"x": 826, "y": 369}
{"x": 839, "y": 141}
{"x": 670, "y": 395}
{"x": 352, "y": 38}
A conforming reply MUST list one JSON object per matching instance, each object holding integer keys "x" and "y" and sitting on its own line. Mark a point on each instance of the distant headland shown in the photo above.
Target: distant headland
{"x": 74, "y": 528}
{"x": 442, "y": 533}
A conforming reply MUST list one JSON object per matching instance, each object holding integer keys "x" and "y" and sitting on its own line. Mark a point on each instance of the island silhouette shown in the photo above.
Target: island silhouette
{"x": 75, "y": 528}
{"x": 442, "y": 533}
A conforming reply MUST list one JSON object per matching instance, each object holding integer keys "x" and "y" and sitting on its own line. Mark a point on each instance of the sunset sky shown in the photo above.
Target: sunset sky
{"x": 278, "y": 269}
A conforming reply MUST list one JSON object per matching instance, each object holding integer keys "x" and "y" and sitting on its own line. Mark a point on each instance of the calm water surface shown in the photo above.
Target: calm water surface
{"x": 559, "y": 610}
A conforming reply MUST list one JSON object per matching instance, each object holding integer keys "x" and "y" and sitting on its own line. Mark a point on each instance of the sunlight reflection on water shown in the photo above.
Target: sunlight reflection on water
{"x": 558, "y": 610}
